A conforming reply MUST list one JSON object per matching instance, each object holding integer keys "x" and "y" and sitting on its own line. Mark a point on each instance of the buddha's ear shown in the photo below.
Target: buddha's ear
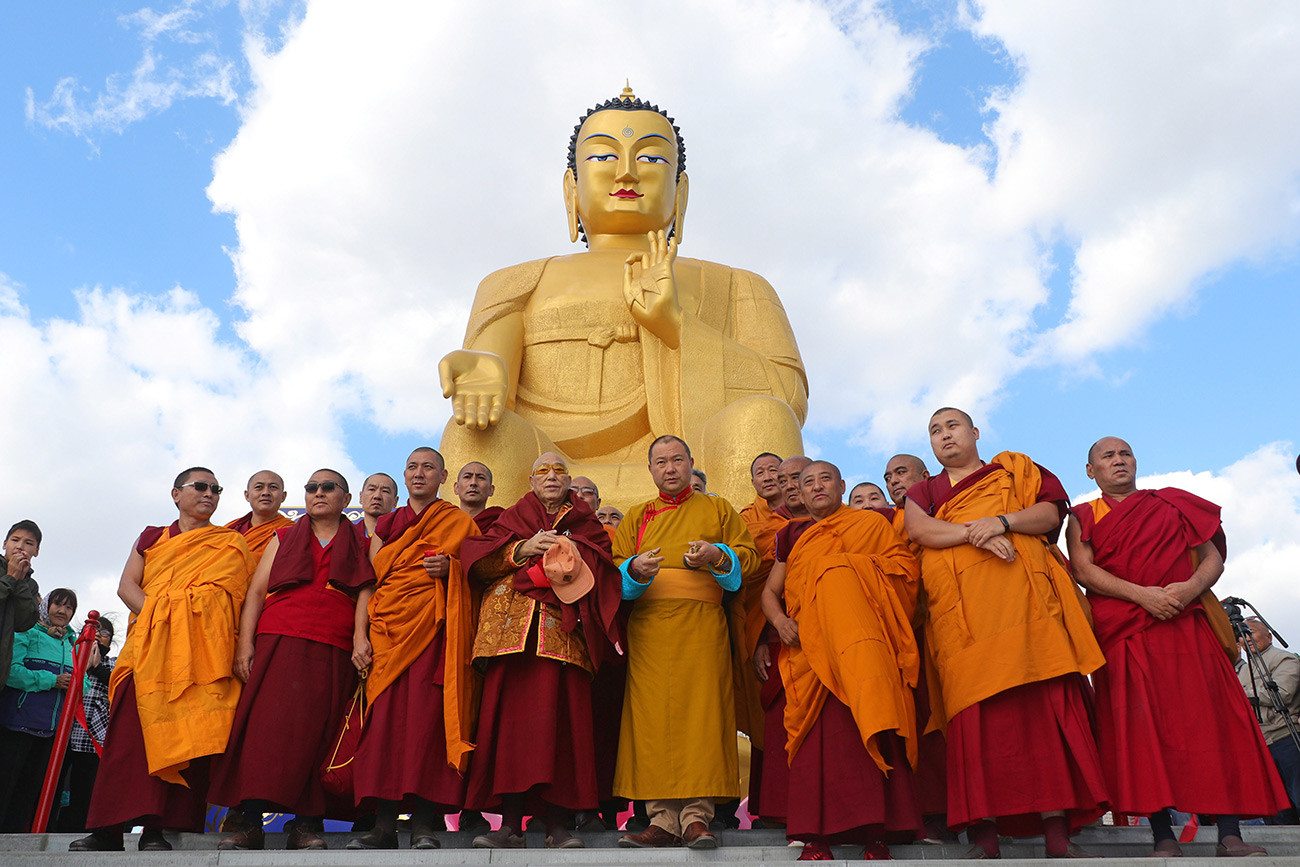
{"x": 679, "y": 207}
{"x": 571, "y": 204}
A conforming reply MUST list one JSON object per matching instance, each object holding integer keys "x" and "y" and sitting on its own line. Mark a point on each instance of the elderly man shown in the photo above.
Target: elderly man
{"x": 547, "y": 622}
{"x": 1011, "y": 642}
{"x": 416, "y": 742}
{"x": 1284, "y": 669}
{"x": 473, "y": 488}
{"x": 20, "y": 598}
{"x": 840, "y": 596}
{"x": 378, "y": 498}
{"x": 173, "y": 690}
{"x": 679, "y": 554}
{"x": 1173, "y": 726}
{"x": 868, "y": 495}
{"x": 265, "y": 495}
{"x": 301, "y": 638}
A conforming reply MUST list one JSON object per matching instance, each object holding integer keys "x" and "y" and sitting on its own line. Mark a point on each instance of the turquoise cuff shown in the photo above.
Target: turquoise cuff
{"x": 632, "y": 588}
{"x": 730, "y": 581}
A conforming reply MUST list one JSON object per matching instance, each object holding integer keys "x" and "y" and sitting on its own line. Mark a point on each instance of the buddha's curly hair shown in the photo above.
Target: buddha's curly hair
{"x": 624, "y": 104}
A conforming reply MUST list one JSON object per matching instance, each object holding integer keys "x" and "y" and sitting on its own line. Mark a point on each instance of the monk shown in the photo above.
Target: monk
{"x": 867, "y": 495}
{"x": 774, "y": 779}
{"x": 415, "y": 745}
{"x": 902, "y": 472}
{"x": 1174, "y": 728}
{"x": 300, "y": 636}
{"x": 378, "y": 498}
{"x": 763, "y": 518}
{"x": 539, "y": 643}
{"x": 1011, "y": 644}
{"x": 699, "y": 481}
{"x": 841, "y": 598}
{"x": 173, "y": 689}
{"x": 473, "y": 488}
{"x": 265, "y": 495}
{"x": 610, "y": 516}
{"x": 677, "y": 748}
{"x": 595, "y": 354}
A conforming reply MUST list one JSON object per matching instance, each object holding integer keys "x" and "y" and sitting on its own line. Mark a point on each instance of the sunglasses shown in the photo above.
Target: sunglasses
{"x": 558, "y": 469}
{"x": 202, "y": 487}
{"x": 327, "y": 487}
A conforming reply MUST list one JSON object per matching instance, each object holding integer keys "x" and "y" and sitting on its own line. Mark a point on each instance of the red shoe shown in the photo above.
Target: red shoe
{"x": 698, "y": 836}
{"x": 876, "y": 852}
{"x": 816, "y": 851}
{"x": 653, "y": 837}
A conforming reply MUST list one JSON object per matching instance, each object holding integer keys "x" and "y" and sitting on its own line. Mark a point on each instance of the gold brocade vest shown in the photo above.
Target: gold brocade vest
{"x": 505, "y": 619}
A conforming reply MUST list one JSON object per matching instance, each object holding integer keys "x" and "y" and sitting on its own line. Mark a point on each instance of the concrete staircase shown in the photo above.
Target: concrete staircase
{"x": 1119, "y": 847}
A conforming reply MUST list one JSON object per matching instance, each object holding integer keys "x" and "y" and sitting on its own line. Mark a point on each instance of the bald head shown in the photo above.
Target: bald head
{"x": 788, "y": 478}
{"x": 1112, "y": 465}
{"x": 901, "y": 473}
{"x": 550, "y": 480}
{"x": 378, "y": 495}
{"x": 821, "y": 486}
{"x": 867, "y": 495}
{"x": 473, "y": 487}
{"x": 265, "y": 494}
{"x": 425, "y": 471}
{"x": 587, "y": 491}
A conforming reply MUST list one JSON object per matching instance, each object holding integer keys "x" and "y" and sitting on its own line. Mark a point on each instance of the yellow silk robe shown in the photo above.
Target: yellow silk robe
{"x": 678, "y": 736}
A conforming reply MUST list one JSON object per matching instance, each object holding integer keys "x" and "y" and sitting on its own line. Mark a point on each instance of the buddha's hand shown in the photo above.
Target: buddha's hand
{"x": 476, "y": 383}
{"x": 650, "y": 289}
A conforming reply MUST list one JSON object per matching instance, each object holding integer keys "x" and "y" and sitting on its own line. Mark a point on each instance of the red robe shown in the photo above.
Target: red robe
{"x": 1174, "y": 728}
{"x": 535, "y": 724}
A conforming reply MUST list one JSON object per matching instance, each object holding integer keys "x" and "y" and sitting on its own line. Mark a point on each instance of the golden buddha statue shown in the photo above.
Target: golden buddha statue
{"x": 594, "y": 354}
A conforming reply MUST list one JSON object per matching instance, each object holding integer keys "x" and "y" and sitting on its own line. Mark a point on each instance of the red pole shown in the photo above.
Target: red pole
{"x": 72, "y": 697}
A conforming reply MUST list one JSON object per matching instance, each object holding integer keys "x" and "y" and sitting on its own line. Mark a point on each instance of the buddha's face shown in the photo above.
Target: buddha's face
{"x": 626, "y": 172}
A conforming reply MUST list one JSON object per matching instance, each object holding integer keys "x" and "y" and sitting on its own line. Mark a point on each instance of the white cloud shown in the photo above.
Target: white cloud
{"x": 1260, "y": 499}
{"x": 1149, "y": 136}
{"x": 102, "y": 411}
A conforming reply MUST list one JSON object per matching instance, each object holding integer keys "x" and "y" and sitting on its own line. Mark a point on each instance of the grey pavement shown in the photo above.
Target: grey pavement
{"x": 1120, "y": 847}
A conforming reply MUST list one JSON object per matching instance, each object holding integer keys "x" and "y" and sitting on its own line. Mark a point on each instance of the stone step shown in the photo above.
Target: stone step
{"x": 1120, "y": 847}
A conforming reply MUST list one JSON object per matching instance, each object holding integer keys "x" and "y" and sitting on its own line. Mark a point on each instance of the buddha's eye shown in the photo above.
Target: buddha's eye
{"x": 601, "y": 158}
{"x": 651, "y": 158}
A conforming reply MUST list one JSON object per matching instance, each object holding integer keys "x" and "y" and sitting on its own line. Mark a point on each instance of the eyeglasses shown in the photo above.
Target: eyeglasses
{"x": 558, "y": 469}
{"x": 202, "y": 487}
{"x": 585, "y": 490}
{"x": 327, "y": 487}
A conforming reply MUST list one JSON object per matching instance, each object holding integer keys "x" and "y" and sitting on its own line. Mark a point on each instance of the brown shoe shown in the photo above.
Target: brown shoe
{"x": 1074, "y": 850}
{"x": 245, "y": 838}
{"x": 1235, "y": 847}
{"x": 302, "y": 837}
{"x": 376, "y": 839}
{"x": 698, "y": 836}
{"x": 653, "y": 837}
{"x": 1167, "y": 849}
{"x": 502, "y": 838}
{"x": 559, "y": 838}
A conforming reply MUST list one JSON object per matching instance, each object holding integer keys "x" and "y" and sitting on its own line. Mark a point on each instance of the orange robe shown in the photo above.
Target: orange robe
{"x": 409, "y": 609}
{"x": 180, "y": 648}
{"x": 995, "y": 625}
{"x": 851, "y": 586}
{"x": 260, "y": 536}
{"x": 748, "y": 620}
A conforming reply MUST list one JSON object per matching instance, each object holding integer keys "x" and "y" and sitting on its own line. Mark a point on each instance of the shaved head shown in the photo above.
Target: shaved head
{"x": 818, "y": 466}
{"x": 479, "y": 467}
{"x": 1104, "y": 443}
{"x": 961, "y": 412}
{"x": 442, "y": 463}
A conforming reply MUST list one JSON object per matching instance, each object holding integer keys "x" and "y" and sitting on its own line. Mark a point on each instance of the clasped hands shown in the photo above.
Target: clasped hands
{"x": 536, "y": 545}
{"x": 990, "y": 534}
{"x": 699, "y": 554}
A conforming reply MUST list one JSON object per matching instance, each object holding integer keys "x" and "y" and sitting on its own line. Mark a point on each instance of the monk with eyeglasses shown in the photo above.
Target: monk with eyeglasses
{"x": 302, "y": 639}
{"x": 174, "y": 689}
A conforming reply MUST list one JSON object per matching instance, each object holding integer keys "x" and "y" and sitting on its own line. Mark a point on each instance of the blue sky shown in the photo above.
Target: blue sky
{"x": 243, "y": 234}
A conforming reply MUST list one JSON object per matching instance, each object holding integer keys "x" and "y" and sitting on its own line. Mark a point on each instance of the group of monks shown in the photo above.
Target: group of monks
{"x": 903, "y": 672}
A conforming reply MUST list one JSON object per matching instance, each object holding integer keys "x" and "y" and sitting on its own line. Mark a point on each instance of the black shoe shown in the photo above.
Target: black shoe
{"x": 99, "y": 841}
{"x": 153, "y": 841}
{"x": 472, "y": 822}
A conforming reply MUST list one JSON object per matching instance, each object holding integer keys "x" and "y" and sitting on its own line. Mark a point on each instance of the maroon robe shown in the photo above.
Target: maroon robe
{"x": 535, "y": 732}
{"x": 487, "y": 518}
{"x": 1173, "y": 725}
{"x": 1029, "y": 749}
{"x": 302, "y": 676}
